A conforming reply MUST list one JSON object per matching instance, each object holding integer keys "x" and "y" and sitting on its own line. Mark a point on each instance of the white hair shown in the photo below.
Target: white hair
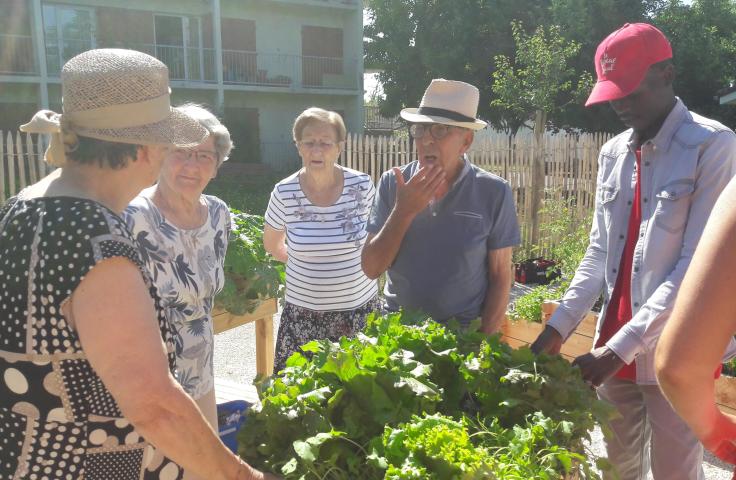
{"x": 220, "y": 133}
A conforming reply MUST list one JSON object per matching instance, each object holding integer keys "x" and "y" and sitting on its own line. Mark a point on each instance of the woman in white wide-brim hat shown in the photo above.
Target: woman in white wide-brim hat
{"x": 86, "y": 354}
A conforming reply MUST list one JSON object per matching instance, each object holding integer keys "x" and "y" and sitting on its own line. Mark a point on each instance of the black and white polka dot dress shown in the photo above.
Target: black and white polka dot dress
{"x": 57, "y": 419}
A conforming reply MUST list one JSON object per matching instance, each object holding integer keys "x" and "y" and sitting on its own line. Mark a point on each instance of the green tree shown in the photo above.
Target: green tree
{"x": 540, "y": 81}
{"x": 703, "y": 37}
{"x": 414, "y": 41}
{"x": 588, "y": 22}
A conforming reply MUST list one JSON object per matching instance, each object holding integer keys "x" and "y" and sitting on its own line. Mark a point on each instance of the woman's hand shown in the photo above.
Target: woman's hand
{"x": 274, "y": 241}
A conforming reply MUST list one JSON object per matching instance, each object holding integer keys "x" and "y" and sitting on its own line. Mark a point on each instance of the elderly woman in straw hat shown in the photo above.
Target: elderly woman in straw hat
{"x": 183, "y": 236}
{"x": 322, "y": 210}
{"x": 86, "y": 354}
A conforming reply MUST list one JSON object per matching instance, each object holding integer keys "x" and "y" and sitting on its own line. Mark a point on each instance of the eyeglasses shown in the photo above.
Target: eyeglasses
{"x": 437, "y": 130}
{"x": 311, "y": 144}
{"x": 201, "y": 157}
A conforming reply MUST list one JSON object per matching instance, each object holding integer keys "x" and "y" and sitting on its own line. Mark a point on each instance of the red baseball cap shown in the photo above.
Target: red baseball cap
{"x": 623, "y": 58}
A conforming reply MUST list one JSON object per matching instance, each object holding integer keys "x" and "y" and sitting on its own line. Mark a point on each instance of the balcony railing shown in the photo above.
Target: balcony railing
{"x": 329, "y": 3}
{"x": 285, "y": 70}
{"x": 238, "y": 67}
{"x": 16, "y": 55}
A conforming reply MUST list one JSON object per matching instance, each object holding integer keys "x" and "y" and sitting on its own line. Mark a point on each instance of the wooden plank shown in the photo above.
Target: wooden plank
{"x": 520, "y": 333}
{"x": 2, "y": 169}
{"x": 586, "y": 327}
{"x": 263, "y": 317}
{"x": 11, "y": 165}
{"x": 223, "y": 320}
{"x": 32, "y": 159}
{"x": 264, "y": 338}
{"x": 22, "y": 181}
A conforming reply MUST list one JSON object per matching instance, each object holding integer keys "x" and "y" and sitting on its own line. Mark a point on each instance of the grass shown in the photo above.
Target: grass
{"x": 250, "y": 197}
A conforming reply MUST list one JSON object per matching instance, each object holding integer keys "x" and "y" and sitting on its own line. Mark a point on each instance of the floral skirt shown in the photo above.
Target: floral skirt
{"x": 300, "y": 325}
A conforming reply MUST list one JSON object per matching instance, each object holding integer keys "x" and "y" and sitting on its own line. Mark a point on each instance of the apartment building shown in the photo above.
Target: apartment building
{"x": 258, "y": 63}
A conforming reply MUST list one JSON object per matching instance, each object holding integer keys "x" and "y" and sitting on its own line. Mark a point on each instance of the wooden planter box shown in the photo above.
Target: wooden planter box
{"x": 521, "y": 333}
{"x": 263, "y": 317}
{"x": 518, "y": 334}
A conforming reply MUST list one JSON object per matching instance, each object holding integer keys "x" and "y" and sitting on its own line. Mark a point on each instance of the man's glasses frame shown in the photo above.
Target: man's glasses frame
{"x": 438, "y": 131}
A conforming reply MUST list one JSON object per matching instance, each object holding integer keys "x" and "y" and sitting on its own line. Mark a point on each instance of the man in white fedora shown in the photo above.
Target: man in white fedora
{"x": 442, "y": 228}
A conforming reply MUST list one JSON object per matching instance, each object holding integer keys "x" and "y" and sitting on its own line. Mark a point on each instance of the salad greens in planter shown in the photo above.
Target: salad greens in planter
{"x": 251, "y": 274}
{"x": 409, "y": 398}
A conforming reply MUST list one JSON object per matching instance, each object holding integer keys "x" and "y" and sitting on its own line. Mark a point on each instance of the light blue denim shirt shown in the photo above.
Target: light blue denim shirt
{"x": 684, "y": 168}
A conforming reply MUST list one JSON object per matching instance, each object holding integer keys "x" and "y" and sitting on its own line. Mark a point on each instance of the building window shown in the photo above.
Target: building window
{"x": 68, "y": 31}
{"x": 239, "y": 52}
{"x": 322, "y": 54}
{"x": 179, "y": 46}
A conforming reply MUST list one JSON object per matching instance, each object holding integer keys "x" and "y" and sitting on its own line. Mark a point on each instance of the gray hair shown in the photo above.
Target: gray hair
{"x": 220, "y": 133}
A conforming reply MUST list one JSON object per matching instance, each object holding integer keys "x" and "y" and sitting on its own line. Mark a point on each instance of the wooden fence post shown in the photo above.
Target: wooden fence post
{"x": 32, "y": 154}
{"x": 2, "y": 168}
{"x": 11, "y": 164}
{"x": 22, "y": 181}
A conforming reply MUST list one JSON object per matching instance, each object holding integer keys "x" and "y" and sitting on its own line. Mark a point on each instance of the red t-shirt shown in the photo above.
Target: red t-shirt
{"x": 619, "y": 312}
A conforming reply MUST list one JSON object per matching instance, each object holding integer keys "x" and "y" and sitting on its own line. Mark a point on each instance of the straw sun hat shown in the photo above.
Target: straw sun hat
{"x": 449, "y": 102}
{"x": 114, "y": 95}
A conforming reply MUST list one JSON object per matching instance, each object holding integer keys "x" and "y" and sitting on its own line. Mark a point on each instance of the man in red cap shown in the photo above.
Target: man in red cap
{"x": 657, "y": 183}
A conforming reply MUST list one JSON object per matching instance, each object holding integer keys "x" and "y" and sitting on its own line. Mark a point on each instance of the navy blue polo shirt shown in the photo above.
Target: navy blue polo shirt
{"x": 442, "y": 265}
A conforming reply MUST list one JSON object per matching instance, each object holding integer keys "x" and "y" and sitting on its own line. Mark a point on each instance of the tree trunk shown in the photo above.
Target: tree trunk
{"x": 538, "y": 173}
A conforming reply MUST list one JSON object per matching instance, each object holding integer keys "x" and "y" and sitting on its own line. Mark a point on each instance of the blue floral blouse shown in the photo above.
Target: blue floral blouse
{"x": 186, "y": 266}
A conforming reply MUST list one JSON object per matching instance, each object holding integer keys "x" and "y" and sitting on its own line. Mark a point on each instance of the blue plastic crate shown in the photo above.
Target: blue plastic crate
{"x": 230, "y": 418}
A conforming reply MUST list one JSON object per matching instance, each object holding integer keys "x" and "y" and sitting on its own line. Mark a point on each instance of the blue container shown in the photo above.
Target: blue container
{"x": 230, "y": 417}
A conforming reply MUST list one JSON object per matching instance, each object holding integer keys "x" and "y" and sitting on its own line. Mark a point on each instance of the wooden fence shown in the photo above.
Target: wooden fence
{"x": 569, "y": 163}
{"x": 21, "y": 162}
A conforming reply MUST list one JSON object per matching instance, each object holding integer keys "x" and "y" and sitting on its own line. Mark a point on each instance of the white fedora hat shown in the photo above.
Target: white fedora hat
{"x": 449, "y": 102}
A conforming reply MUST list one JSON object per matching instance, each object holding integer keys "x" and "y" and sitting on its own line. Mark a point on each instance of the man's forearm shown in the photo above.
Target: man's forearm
{"x": 497, "y": 293}
{"x": 380, "y": 250}
{"x": 494, "y": 308}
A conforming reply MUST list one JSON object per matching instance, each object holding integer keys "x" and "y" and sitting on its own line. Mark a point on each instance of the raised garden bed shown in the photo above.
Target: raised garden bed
{"x": 414, "y": 400}
{"x": 522, "y": 333}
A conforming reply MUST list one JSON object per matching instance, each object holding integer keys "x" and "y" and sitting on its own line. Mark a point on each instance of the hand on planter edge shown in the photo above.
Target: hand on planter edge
{"x": 549, "y": 341}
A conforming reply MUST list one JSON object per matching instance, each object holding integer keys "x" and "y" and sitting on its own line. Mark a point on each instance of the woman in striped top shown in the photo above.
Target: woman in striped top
{"x": 315, "y": 223}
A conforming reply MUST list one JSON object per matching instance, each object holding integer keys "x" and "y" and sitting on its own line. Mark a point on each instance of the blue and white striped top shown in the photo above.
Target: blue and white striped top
{"x": 323, "y": 270}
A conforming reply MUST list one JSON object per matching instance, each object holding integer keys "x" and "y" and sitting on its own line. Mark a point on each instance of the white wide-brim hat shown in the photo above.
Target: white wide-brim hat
{"x": 449, "y": 102}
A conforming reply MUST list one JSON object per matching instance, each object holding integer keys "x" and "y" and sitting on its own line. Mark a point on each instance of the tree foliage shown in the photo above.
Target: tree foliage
{"x": 413, "y": 41}
{"x": 540, "y": 80}
{"x": 703, "y": 37}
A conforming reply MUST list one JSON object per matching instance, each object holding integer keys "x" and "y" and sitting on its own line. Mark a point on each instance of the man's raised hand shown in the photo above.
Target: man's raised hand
{"x": 414, "y": 195}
